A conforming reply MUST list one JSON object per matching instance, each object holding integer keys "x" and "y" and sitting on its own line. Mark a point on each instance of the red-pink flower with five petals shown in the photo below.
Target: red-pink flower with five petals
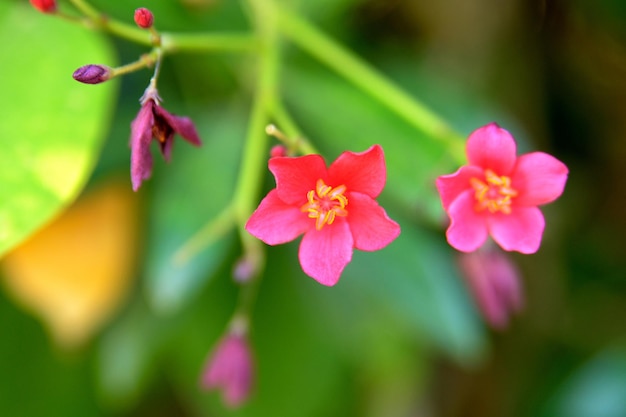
{"x": 334, "y": 207}
{"x": 497, "y": 193}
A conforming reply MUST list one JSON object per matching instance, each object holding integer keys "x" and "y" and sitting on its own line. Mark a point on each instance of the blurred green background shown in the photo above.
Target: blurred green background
{"x": 399, "y": 335}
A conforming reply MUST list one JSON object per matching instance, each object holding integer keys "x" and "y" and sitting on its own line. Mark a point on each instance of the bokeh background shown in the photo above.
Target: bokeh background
{"x": 96, "y": 318}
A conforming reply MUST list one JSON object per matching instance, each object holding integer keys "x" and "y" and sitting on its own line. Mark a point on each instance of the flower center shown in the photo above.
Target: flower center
{"x": 494, "y": 194}
{"x": 325, "y": 203}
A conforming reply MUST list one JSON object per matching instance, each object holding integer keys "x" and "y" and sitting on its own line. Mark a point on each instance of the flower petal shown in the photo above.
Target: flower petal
{"x": 452, "y": 185}
{"x": 371, "y": 228}
{"x": 181, "y": 125}
{"x": 295, "y": 177}
{"x": 325, "y": 253}
{"x": 491, "y": 147}
{"x": 539, "y": 178}
{"x": 166, "y": 148}
{"x": 275, "y": 222}
{"x": 468, "y": 229}
{"x": 140, "y": 138}
{"x": 364, "y": 172}
{"x": 519, "y": 231}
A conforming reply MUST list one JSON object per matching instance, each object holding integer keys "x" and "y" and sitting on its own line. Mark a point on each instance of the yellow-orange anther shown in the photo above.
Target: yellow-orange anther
{"x": 325, "y": 203}
{"x": 494, "y": 193}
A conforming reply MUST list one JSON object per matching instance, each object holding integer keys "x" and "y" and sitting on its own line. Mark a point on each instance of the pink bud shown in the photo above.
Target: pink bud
{"x": 278, "y": 150}
{"x": 144, "y": 18}
{"x": 229, "y": 369}
{"x": 495, "y": 283}
{"x": 92, "y": 74}
{"x": 45, "y": 6}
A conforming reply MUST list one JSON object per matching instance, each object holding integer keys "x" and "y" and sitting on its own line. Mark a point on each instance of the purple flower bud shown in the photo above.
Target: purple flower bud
{"x": 92, "y": 74}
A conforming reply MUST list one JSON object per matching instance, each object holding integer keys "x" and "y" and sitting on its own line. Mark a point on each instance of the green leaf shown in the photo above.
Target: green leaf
{"x": 51, "y": 125}
{"x": 597, "y": 389}
{"x": 414, "y": 280}
{"x": 416, "y": 277}
{"x": 190, "y": 192}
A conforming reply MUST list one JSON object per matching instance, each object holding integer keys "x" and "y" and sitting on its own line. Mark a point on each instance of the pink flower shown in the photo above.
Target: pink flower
{"x": 333, "y": 207}
{"x": 495, "y": 284}
{"x": 153, "y": 121}
{"x": 497, "y": 193}
{"x": 230, "y": 369}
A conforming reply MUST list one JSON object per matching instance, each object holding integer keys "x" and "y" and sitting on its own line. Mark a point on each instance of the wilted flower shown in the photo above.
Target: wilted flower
{"x": 230, "y": 369}
{"x": 45, "y": 6}
{"x": 495, "y": 284}
{"x": 497, "y": 193}
{"x": 335, "y": 209}
{"x": 153, "y": 121}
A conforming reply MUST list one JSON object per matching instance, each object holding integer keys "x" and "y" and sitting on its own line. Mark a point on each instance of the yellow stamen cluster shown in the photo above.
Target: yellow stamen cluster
{"x": 325, "y": 203}
{"x": 494, "y": 194}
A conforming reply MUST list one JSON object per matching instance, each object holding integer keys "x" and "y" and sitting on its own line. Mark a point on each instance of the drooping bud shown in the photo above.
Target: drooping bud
{"x": 495, "y": 284}
{"x": 230, "y": 369}
{"x": 144, "y": 18}
{"x": 45, "y": 6}
{"x": 92, "y": 74}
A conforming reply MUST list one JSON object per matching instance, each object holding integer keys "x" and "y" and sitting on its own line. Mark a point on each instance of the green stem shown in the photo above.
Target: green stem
{"x": 145, "y": 61}
{"x": 208, "y": 42}
{"x": 293, "y": 134}
{"x": 170, "y": 42}
{"x": 369, "y": 80}
{"x": 212, "y": 231}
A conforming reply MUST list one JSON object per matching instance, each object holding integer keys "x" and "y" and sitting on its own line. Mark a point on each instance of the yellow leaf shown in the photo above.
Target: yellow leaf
{"x": 76, "y": 271}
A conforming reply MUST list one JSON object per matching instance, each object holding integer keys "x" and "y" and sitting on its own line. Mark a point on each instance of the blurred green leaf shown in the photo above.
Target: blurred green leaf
{"x": 416, "y": 279}
{"x": 38, "y": 381}
{"x": 127, "y": 356}
{"x": 51, "y": 125}
{"x": 597, "y": 389}
{"x": 189, "y": 192}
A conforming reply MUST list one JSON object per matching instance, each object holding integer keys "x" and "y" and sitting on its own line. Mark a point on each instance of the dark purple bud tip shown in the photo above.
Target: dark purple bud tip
{"x": 144, "y": 18}
{"x": 92, "y": 74}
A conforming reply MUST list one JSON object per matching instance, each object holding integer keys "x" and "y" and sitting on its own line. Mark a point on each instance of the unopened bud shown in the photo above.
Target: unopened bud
{"x": 245, "y": 269}
{"x": 92, "y": 74}
{"x": 45, "y": 6}
{"x": 278, "y": 150}
{"x": 144, "y": 18}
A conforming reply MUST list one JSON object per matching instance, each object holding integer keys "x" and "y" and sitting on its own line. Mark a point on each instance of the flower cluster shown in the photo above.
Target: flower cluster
{"x": 497, "y": 193}
{"x": 333, "y": 207}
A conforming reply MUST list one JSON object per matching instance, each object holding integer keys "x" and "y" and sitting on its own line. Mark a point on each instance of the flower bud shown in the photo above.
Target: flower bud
{"x": 278, "y": 150}
{"x": 144, "y": 18}
{"x": 92, "y": 74}
{"x": 45, "y": 6}
{"x": 229, "y": 369}
{"x": 495, "y": 283}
